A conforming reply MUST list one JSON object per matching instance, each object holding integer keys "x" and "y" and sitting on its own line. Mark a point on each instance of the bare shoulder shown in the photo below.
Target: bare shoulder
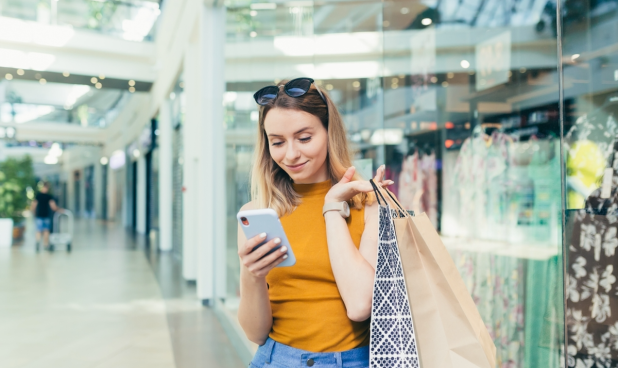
{"x": 248, "y": 206}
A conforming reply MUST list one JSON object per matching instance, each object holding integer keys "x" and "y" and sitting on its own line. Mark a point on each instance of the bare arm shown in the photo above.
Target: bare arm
{"x": 354, "y": 269}
{"x": 254, "y": 312}
{"x": 54, "y": 207}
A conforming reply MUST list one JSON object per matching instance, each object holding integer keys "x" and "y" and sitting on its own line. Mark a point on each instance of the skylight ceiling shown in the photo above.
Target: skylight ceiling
{"x": 129, "y": 19}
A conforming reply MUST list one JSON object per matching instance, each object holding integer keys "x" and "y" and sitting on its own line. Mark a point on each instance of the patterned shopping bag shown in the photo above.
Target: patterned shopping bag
{"x": 393, "y": 343}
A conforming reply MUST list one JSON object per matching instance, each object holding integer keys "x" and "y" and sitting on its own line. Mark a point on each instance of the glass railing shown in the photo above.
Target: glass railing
{"x": 132, "y": 20}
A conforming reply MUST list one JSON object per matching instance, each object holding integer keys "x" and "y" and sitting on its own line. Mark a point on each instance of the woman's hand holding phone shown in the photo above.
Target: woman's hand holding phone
{"x": 254, "y": 259}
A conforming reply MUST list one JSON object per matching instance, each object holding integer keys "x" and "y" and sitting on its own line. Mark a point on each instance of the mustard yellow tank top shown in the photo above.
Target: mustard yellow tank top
{"x": 308, "y": 312}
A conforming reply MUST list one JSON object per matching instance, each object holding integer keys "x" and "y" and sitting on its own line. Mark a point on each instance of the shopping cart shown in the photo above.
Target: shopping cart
{"x": 59, "y": 238}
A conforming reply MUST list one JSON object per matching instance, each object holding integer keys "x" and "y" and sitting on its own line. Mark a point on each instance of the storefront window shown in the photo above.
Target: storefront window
{"x": 590, "y": 64}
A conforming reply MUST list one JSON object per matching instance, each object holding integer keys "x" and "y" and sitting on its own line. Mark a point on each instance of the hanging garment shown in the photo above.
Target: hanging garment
{"x": 592, "y": 293}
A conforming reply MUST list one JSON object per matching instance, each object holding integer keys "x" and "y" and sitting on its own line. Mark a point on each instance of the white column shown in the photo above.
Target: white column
{"x": 165, "y": 177}
{"x": 141, "y": 195}
{"x": 99, "y": 186}
{"x": 190, "y": 136}
{"x": 211, "y": 216}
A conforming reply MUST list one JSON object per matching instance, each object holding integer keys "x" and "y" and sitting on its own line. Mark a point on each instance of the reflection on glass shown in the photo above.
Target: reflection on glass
{"x": 590, "y": 62}
{"x": 131, "y": 20}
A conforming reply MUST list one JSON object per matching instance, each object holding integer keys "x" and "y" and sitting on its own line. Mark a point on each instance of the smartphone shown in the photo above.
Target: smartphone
{"x": 255, "y": 222}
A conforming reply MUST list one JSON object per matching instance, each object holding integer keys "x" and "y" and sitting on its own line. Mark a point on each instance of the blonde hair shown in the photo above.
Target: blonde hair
{"x": 271, "y": 186}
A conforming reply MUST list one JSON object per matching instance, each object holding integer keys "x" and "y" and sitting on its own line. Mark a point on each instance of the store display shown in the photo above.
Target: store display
{"x": 592, "y": 302}
{"x": 418, "y": 183}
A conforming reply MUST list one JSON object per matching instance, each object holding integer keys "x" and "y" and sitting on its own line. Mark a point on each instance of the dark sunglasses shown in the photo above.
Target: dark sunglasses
{"x": 294, "y": 88}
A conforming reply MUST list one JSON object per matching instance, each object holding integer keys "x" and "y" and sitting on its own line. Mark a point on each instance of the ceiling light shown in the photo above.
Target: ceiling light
{"x": 356, "y": 84}
{"x": 426, "y": 21}
{"x": 104, "y": 161}
{"x": 131, "y": 89}
{"x": 404, "y": 11}
{"x": 263, "y": 6}
{"x": 132, "y": 83}
{"x": 102, "y": 76}
{"x": 465, "y": 64}
{"x": 98, "y": 85}
{"x": 8, "y": 76}
{"x": 445, "y": 84}
{"x": 55, "y": 150}
{"x": 433, "y": 79}
{"x": 20, "y": 72}
{"x": 66, "y": 74}
{"x": 253, "y": 13}
{"x": 253, "y": 34}
{"x": 42, "y": 80}
{"x": 50, "y": 160}
{"x": 93, "y": 80}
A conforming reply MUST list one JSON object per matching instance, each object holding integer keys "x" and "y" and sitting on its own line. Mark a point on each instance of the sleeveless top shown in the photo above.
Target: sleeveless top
{"x": 308, "y": 311}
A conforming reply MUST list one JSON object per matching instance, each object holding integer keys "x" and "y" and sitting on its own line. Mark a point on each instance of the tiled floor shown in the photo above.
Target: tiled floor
{"x": 110, "y": 303}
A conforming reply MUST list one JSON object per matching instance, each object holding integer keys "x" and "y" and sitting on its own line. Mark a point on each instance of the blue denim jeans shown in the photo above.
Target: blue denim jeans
{"x": 275, "y": 355}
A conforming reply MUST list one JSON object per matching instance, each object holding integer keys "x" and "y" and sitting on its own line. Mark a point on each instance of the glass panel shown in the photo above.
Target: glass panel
{"x": 131, "y": 20}
{"x": 590, "y": 65}
{"x": 472, "y": 88}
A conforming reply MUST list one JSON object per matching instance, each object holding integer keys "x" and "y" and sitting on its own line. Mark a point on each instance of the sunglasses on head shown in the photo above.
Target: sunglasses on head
{"x": 294, "y": 88}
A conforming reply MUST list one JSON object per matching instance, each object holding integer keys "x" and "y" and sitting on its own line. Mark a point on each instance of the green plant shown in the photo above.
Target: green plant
{"x": 16, "y": 176}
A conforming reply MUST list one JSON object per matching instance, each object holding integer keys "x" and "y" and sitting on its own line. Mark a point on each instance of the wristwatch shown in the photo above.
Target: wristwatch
{"x": 341, "y": 207}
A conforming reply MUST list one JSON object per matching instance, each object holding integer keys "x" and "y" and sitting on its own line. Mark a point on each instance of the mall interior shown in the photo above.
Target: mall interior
{"x": 497, "y": 118}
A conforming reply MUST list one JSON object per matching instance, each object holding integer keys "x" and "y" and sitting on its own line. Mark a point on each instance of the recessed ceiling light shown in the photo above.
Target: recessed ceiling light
{"x": 434, "y": 79}
{"x": 426, "y": 21}
{"x": 445, "y": 84}
{"x": 131, "y": 89}
{"x": 356, "y": 84}
{"x": 93, "y": 80}
{"x": 66, "y": 74}
{"x": 132, "y": 83}
{"x": 102, "y": 76}
{"x": 98, "y": 85}
{"x": 8, "y": 76}
{"x": 104, "y": 161}
{"x": 20, "y": 72}
{"x": 465, "y": 64}
{"x": 42, "y": 81}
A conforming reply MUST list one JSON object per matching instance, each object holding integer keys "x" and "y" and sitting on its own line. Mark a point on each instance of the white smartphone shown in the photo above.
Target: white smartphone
{"x": 255, "y": 222}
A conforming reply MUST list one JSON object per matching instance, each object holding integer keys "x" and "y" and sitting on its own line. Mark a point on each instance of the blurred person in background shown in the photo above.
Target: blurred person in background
{"x": 42, "y": 207}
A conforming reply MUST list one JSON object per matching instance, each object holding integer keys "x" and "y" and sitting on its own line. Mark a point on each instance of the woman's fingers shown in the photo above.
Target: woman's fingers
{"x": 251, "y": 243}
{"x": 261, "y": 252}
{"x": 275, "y": 258}
{"x": 349, "y": 174}
{"x": 379, "y": 174}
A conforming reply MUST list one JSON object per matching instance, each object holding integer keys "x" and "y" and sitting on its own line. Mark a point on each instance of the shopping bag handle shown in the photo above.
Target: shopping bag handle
{"x": 379, "y": 194}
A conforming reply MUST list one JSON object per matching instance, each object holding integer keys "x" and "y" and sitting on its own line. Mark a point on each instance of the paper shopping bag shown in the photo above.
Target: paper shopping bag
{"x": 446, "y": 329}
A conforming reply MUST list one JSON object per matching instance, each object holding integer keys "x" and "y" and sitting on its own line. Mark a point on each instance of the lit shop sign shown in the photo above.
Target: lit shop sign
{"x": 493, "y": 61}
{"x": 7, "y": 132}
{"x": 117, "y": 160}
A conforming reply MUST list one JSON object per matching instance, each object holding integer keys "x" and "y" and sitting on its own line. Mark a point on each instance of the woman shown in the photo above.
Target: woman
{"x": 317, "y": 311}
